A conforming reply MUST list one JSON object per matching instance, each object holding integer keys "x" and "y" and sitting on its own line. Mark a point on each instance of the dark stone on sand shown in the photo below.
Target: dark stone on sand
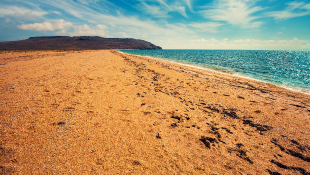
{"x": 274, "y": 141}
{"x": 258, "y": 111}
{"x": 157, "y": 136}
{"x": 207, "y": 140}
{"x": 230, "y": 113}
{"x": 259, "y": 127}
{"x": 273, "y": 173}
{"x": 295, "y": 142}
{"x": 61, "y": 123}
{"x": 215, "y": 131}
{"x": 227, "y": 130}
{"x": 280, "y": 165}
{"x": 176, "y": 117}
{"x": 213, "y": 108}
{"x": 174, "y": 125}
{"x": 298, "y": 106}
{"x": 239, "y": 145}
{"x": 296, "y": 154}
{"x": 291, "y": 152}
{"x": 242, "y": 154}
{"x": 135, "y": 162}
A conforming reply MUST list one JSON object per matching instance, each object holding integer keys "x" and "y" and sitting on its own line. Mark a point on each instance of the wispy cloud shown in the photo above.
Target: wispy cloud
{"x": 131, "y": 25}
{"x": 236, "y": 12}
{"x": 117, "y": 22}
{"x": 56, "y": 12}
{"x": 21, "y": 12}
{"x": 87, "y": 1}
{"x": 179, "y": 28}
{"x": 206, "y": 27}
{"x": 294, "y": 9}
{"x": 180, "y": 8}
{"x": 189, "y": 4}
{"x": 154, "y": 10}
{"x": 161, "y": 8}
{"x": 84, "y": 12}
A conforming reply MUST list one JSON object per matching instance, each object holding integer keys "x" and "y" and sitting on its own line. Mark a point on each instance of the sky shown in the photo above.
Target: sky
{"x": 171, "y": 24}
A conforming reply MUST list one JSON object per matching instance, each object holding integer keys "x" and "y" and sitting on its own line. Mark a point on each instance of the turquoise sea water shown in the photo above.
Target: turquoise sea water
{"x": 286, "y": 68}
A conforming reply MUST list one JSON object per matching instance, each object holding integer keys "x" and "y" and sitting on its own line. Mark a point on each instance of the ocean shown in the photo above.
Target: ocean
{"x": 289, "y": 69}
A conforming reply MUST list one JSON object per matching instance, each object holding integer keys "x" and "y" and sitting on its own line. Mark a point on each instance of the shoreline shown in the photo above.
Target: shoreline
{"x": 291, "y": 88}
{"x": 104, "y": 112}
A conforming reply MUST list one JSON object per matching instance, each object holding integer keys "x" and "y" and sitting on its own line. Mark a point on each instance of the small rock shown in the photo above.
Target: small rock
{"x": 174, "y": 125}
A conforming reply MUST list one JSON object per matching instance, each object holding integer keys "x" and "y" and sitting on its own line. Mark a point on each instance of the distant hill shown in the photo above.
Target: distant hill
{"x": 76, "y": 43}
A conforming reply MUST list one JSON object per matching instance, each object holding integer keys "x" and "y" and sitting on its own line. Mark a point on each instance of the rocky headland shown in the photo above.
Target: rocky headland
{"x": 76, "y": 43}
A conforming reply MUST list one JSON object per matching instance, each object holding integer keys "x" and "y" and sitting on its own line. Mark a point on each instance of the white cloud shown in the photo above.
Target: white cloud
{"x": 207, "y": 27}
{"x": 86, "y": 30}
{"x": 92, "y": 21}
{"x": 63, "y": 27}
{"x": 212, "y": 43}
{"x": 47, "y": 26}
{"x": 102, "y": 27}
{"x": 236, "y": 12}
{"x": 56, "y": 12}
{"x": 294, "y": 9}
{"x": 84, "y": 1}
{"x": 21, "y": 12}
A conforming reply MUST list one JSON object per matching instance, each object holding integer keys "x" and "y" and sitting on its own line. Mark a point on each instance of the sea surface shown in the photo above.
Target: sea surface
{"x": 290, "y": 69}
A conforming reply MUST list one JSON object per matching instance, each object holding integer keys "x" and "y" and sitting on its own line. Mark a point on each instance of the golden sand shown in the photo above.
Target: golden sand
{"x": 103, "y": 112}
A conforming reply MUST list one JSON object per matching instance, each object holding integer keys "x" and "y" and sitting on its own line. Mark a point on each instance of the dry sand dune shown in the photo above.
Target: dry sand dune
{"x": 103, "y": 112}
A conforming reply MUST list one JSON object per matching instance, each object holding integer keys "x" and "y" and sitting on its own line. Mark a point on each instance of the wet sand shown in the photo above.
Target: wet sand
{"x": 103, "y": 112}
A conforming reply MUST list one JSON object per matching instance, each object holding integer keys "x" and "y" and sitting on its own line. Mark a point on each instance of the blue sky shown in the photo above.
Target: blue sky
{"x": 171, "y": 24}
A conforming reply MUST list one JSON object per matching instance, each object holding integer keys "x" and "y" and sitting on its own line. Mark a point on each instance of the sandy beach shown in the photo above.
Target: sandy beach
{"x": 104, "y": 112}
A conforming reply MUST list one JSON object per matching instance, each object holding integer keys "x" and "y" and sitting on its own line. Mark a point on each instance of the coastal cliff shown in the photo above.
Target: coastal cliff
{"x": 76, "y": 43}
